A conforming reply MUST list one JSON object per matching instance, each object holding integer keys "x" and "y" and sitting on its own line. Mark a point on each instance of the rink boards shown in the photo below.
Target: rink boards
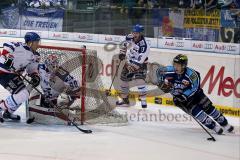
{"x": 220, "y": 72}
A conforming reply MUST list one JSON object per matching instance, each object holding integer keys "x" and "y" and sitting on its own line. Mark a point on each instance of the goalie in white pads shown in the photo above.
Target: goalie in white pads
{"x": 14, "y": 60}
{"x": 54, "y": 81}
{"x": 135, "y": 68}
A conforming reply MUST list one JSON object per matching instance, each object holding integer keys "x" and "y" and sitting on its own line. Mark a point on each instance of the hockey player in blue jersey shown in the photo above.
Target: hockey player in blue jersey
{"x": 15, "y": 59}
{"x": 135, "y": 68}
{"x": 187, "y": 94}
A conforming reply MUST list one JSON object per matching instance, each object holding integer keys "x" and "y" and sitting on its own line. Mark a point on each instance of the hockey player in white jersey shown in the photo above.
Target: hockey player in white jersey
{"x": 56, "y": 80}
{"x": 14, "y": 60}
{"x": 135, "y": 69}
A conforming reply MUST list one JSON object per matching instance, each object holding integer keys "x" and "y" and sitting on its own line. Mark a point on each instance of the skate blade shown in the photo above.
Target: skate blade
{"x": 123, "y": 105}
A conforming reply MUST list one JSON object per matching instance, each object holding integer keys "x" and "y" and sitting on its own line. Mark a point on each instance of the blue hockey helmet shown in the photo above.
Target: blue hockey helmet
{"x": 31, "y": 37}
{"x": 138, "y": 28}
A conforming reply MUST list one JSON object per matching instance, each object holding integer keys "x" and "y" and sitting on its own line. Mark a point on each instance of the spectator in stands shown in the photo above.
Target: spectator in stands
{"x": 211, "y": 4}
{"x": 185, "y": 3}
{"x": 140, "y": 9}
{"x": 127, "y": 7}
{"x": 231, "y": 4}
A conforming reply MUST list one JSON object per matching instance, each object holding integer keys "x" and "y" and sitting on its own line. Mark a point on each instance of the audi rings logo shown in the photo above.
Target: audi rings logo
{"x": 12, "y": 32}
{"x": 149, "y": 42}
{"x": 117, "y": 39}
{"x": 179, "y": 44}
{"x": 208, "y": 46}
{"x": 231, "y": 48}
{"x": 89, "y": 37}
{"x": 64, "y": 35}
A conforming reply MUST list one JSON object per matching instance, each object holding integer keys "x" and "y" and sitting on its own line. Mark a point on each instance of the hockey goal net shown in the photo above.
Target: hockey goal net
{"x": 92, "y": 105}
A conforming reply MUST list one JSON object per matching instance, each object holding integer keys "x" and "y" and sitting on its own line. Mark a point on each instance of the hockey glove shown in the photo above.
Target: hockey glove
{"x": 35, "y": 80}
{"x": 129, "y": 37}
{"x": 122, "y": 56}
{"x": 132, "y": 67}
{"x": 165, "y": 87}
{"x": 122, "y": 53}
{"x": 9, "y": 61}
{"x": 181, "y": 105}
{"x": 181, "y": 98}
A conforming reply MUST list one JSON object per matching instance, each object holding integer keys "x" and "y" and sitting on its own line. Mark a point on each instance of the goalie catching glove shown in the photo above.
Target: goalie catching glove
{"x": 8, "y": 58}
{"x": 9, "y": 61}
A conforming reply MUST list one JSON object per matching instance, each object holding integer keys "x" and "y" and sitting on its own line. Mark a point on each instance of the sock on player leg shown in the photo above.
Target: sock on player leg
{"x": 142, "y": 94}
{"x": 202, "y": 117}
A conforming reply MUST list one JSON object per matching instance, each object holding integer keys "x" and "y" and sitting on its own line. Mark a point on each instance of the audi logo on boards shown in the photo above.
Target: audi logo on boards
{"x": 83, "y": 37}
{"x": 180, "y": 44}
{"x": 12, "y": 32}
{"x": 64, "y": 35}
{"x": 57, "y": 35}
{"x": 116, "y": 39}
{"x": 208, "y": 46}
{"x": 89, "y": 37}
{"x": 1, "y": 32}
{"x": 108, "y": 39}
{"x": 231, "y": 48}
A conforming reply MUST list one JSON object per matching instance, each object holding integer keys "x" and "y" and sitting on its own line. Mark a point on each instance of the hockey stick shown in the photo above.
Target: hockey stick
{"x": 56, "y": 107}
{"x": 211, "y": 136}
{"x": 109, "y": 90}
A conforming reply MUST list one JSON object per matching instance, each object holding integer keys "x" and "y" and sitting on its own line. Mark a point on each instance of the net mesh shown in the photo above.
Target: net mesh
{"x": 93, "y": 107}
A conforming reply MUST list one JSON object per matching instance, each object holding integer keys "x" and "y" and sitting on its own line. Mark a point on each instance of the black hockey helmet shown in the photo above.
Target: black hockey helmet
{"x": 181, "y": 59}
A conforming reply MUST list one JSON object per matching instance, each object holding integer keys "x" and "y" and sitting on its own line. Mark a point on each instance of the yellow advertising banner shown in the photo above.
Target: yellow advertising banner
{"x": 202, "y": 19}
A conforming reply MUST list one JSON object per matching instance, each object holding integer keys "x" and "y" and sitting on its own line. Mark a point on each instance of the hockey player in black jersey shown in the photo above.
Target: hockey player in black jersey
{"x": 187, "y": 94}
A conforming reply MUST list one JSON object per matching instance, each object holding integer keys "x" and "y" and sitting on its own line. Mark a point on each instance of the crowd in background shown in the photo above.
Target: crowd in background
{"x": 194, "y": 4}
{"x": 159, "y": 17}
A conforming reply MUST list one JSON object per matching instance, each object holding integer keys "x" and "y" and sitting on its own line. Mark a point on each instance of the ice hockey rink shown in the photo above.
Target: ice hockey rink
{"x": 139, "y": 140}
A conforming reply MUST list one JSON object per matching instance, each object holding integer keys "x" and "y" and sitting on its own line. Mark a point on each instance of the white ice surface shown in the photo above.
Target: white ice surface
{"x": 140, "y": 140}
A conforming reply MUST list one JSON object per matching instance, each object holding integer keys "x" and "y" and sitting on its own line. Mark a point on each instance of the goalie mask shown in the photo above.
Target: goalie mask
{"x": 52, "y": 63}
